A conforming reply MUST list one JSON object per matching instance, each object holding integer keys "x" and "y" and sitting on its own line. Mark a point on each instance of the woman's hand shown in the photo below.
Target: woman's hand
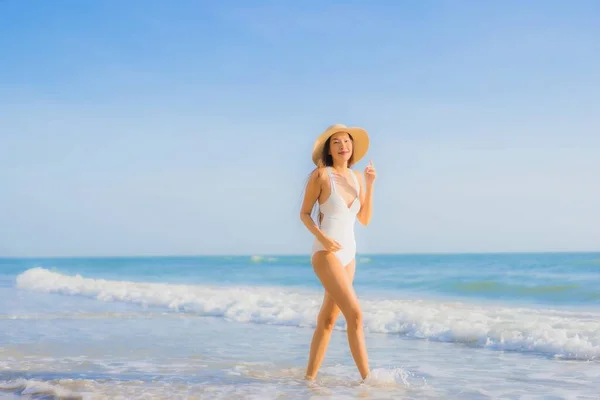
{"x": 329, "y": 244}
{"x": 370, "y": 173}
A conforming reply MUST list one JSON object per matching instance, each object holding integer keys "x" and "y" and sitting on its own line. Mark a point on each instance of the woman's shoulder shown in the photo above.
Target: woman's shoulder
{"x": 319, "y": 173}
{"x": 357, "y": 173}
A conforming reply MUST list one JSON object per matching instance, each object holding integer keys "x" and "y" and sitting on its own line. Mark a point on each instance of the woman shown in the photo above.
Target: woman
{"x": 342, "y": 198}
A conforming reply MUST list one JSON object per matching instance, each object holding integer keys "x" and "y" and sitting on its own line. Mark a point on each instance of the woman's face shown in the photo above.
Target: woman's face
{"x": 340, "y": 147}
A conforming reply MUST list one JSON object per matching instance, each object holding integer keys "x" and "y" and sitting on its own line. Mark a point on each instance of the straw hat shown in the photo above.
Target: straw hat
{"x": 360, "y": 139}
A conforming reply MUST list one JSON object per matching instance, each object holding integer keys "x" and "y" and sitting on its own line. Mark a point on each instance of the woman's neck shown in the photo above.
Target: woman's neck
{"x": 341, "y": 168}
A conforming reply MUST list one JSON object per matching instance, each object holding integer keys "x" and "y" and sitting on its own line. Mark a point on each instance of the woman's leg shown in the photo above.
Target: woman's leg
{"x": 325, "y": 323}
{"x": 338, "y": 285}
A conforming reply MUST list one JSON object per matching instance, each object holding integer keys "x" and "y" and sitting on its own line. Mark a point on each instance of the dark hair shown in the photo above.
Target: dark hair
{"x": 326, "y": 160}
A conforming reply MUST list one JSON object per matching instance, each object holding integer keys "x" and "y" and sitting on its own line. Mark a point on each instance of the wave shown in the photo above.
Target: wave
{"x": 260, "y": 259}
{"x": 85, "y": 315}
{"x": 560, "y": 334}
{"x": 33, "y": 387}
{"x": 102, "y": 386}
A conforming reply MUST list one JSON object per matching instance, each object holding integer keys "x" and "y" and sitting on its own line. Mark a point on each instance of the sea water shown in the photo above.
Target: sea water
{"x": 483, "y": 326}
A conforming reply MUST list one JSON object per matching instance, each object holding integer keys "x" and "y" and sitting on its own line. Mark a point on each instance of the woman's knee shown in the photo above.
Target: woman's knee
{"x": 354, "y": 318}
{"x": 327, "y": 322}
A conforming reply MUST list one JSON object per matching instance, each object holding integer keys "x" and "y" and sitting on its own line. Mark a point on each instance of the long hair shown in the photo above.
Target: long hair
{"x": 326, "y": 160}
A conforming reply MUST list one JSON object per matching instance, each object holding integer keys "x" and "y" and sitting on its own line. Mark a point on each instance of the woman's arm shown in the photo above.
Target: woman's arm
{"x": 311, "y": 195}
{"x": 366, "y": 195}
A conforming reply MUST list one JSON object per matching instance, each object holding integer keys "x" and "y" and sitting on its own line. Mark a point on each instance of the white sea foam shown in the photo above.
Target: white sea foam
{"x": 260, "y": 259}
{"x": 84, "y": 389}
{"x": 35, "y": 388}
{"x": 561, "y": 334}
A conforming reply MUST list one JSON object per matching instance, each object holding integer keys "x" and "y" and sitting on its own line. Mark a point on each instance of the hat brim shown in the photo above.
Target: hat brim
{"x": 360, "y": 142}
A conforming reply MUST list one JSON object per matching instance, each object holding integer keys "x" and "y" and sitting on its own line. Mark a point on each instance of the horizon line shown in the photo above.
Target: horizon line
{"x": 358, "y": 254}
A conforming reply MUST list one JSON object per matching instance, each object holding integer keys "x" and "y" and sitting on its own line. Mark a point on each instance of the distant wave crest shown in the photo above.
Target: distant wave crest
{"x": 260, "y": 259}
{"x": 569, "y": 335}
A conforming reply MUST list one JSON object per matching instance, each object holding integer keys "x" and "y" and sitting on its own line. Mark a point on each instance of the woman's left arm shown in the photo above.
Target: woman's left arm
{"x": 366, "y": 195}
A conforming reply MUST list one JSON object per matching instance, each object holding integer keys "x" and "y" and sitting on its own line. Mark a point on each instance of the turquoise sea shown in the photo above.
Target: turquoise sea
{"x": 460, "y": 326}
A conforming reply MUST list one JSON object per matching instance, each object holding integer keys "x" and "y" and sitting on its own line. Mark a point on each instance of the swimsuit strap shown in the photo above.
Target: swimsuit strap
{"x": 331, "y": 180}
{"x": 357, "y": 186}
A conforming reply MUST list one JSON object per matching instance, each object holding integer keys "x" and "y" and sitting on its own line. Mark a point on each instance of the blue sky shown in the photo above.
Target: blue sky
{"x": 153, "y": 127}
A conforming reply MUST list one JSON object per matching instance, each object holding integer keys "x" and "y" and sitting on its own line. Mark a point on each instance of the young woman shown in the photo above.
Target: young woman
{"x": 341, "y": 199}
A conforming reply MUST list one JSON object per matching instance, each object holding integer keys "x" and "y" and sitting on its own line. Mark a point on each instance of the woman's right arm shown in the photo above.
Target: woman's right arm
{"x": 311, "y": 195}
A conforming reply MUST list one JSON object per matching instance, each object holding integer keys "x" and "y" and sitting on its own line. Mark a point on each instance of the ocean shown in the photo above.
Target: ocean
{"x": 456, "y": 326}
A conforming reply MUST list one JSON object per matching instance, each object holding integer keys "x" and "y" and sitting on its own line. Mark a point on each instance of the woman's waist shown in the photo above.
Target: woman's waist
{"x": 338, "y": 230}
{"x": 338, "y": 220}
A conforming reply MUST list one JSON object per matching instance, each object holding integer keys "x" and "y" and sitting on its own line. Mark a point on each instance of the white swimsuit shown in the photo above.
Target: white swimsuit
{"x": 338, "y": 221}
